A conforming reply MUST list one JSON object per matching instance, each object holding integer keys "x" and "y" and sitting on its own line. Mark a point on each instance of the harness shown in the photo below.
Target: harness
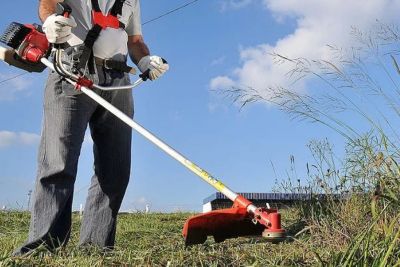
{"x": 100, "y": 22}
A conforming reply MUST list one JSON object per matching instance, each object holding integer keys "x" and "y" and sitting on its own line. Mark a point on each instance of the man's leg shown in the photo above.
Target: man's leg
{"x": 112, "y": 160}
{"x": 66, "y": 115}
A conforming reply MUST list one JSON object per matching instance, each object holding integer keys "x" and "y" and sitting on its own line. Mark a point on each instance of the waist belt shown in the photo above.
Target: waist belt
{"x": 114, "y": 65}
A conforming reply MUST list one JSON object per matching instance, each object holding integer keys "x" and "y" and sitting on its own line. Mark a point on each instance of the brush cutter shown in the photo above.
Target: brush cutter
{"x": 30, "y": 51}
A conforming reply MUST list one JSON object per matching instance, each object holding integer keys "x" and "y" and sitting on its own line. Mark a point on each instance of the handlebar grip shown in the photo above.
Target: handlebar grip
{"x": 62, "y": 9}
{"x": 145, "y": 75}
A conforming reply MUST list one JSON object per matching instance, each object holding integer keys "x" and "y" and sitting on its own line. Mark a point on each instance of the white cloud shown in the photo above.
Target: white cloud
{"x": 319, "y": 23}
{"x": 223, "y": 82}
{"x": 29, "y": 138}
{"x": 234, "y": 4}
{"x": 8, "y": 139}
{"x": 14, "y": 86}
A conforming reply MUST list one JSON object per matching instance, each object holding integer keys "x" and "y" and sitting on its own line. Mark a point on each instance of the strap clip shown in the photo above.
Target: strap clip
{"x": 107, "y": 63}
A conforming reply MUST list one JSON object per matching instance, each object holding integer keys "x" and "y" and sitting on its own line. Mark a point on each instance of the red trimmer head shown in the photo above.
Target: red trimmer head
{"x": 234, "y": 222}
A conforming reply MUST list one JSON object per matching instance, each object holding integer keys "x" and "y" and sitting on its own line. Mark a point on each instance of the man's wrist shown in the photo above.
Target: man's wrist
{"x": 143, "y": 63}
{"x": 47, "y": 8}
{"x": 137, "y": 48}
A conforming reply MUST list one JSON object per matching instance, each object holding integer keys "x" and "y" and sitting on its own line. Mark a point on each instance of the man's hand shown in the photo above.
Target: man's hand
{"x": 156, "y": 65}
{"x": 58, "y": 28}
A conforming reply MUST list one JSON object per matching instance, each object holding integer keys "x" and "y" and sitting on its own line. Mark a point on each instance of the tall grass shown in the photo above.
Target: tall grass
{"x": 356, "y": 93}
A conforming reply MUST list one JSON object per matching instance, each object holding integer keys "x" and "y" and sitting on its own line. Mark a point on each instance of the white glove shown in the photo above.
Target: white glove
{"x": 156, "y": 65}
{"x": 58, "y": 28}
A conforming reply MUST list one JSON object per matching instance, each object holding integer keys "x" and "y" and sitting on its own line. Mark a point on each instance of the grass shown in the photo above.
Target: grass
{"x": 156, "y": 240}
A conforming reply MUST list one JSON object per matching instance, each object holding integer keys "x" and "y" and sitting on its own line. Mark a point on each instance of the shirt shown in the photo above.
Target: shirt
{"x": 112, "y": 43}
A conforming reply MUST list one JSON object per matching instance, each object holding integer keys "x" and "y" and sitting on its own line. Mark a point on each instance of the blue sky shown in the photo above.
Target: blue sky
{"x": 210, "y": 45}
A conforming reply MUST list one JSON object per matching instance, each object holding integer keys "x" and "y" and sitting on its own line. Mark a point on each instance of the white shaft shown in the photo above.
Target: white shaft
{"x": 169, "y": 150}
{"x": 152, "y": 138}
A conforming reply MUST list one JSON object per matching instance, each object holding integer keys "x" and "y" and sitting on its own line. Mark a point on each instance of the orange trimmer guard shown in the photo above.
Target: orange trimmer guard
{"x": 221, "y": 224}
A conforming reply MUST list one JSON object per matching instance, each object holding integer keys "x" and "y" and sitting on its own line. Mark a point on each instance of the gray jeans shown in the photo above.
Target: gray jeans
{"x": 67, "y": 113}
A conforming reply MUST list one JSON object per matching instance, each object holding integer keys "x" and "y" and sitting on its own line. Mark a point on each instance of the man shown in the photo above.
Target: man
{"x": 114, "y": 32}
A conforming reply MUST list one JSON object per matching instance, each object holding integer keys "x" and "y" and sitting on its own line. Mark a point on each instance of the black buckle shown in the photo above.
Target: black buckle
{"x": 106, "y": 63}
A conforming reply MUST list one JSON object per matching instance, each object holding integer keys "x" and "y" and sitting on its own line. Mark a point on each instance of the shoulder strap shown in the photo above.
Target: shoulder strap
{"x": 91, "y": 37}
{"x": 117, "y": 7}
{"x": 95, "y": 6}
{"x": 115, "y": 10}
{"x": 94, "y": 33}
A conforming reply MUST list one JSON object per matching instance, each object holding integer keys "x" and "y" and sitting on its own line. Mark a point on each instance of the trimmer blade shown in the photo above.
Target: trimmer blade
{"x": 274, "y": 236}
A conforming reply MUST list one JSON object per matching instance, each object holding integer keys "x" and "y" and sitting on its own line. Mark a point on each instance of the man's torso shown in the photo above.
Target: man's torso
{"x": 112, "y": 43}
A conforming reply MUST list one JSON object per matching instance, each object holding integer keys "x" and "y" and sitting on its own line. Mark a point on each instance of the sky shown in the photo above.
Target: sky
{"x": 211, "y": 46}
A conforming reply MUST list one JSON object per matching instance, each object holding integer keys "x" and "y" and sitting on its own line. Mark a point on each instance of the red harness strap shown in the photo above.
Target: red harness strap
{"x": 109, "y": 21}
{"x": 100, "y": 22}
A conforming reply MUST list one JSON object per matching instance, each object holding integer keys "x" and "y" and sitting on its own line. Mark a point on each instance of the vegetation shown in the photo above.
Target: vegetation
{"x": 156, "y": 240}
{"x": 356, "y": 93}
